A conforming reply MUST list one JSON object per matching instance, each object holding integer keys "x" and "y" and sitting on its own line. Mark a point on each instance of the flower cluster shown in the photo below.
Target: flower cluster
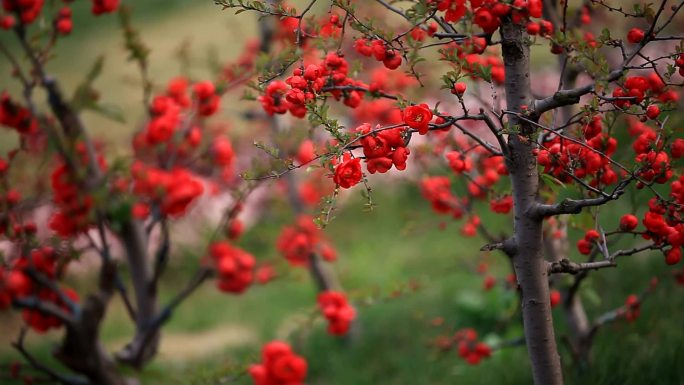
{"x": 279, "y": 366}
{"x": 104, "y": 6}
{"x": 63, "y": 22}
{"x": 207, "y": 98}
{"x": 384, "y": 148}
{"x": 501, "y": 205}
{"x": 487, "y": 14}
{"x": 302, "y": 87}
{"x": 299, "y": 242}
{"x": 74, "y": 207}
{"x": 437, "y": 190}
{"x": 16, "y": 283}
{"x": 170, "y": 127}
{"x": 632, "y": 308}
{"x": 234, "y": 266}
{"x": 17, "y": 117}
{"x": 483, "y": 171}
{"x": 474, "y": 60}
{"x": 469, "y": 348}
{"x": 585, "y": 244}
{"x": 566, "y": 159}
{"x": 377, "y": 49}
{"x": 28, "y": 10}
{"x": 337, "y": 310}
{"x": 664, "y": 223}
{"x": 637, "y": 89}
{"x": 679, "y": 63}
{"x": 172, "y": 191}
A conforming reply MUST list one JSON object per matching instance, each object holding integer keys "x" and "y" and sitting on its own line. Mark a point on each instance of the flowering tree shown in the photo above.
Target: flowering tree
{"x": 516, "y": 142}
{"x": 121, "y": 208}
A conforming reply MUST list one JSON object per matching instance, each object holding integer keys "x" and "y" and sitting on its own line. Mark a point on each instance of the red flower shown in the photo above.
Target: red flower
{"x": 7, "y": 22}
{"x": 306, "y": 152}
{"x": 554, "y": 297}
{"x": 140, "y": 210}
{"x": 104, "y": 6}
{"x": 337, "y": 311}
{"x": 459, "y": 88}
{"x": 392, "y": 59}
{"x": 280, "y": 366}
{"x": 468, "y": 347}
{"x": 348, "y": 173}
{"x": 235, "y": 267}
{"x": 418, "y": 117}
{"x": 635, "y": 35}
{"x": 455, "y": 9}
{"x": 628, "y": 222}
{"x": 265, "y": 274}
{"x": 182, "y": 190}
{"x": 222, "y": 151}
{"x": 484, "y": 18}
{"x": 677, "y": 148}
{"x": 652, "y": 111}
{"x": 502, "y": 205}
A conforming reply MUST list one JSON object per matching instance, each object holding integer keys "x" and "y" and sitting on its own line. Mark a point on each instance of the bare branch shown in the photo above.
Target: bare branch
{"x": 47, "y": 308}
{"x": 52, "y": 374}
{"x": 567, "y": 266}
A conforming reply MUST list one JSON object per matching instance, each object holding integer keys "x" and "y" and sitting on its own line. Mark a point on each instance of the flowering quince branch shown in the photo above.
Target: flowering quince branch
{"x": 575, "y": 206}
{"x": 569, "y": 267}
{"x": 572, "y": 96}
{"x": 603, "y": 155}
{"x": 635, "y": 250}
{"x": 325, "y": 279}
{"x": 629, "y": 311}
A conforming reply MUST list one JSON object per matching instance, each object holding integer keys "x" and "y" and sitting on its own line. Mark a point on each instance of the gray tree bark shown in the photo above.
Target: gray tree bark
{"x": 528, "y": 259}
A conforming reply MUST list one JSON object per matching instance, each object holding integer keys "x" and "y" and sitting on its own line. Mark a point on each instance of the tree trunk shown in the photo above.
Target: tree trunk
{"x": 580, "y": 330}
{"x": 144, "y": 345}
{"x": 528, "y": 259}
{"x": 575, "y": 316}
{"x": 80, "y": 349}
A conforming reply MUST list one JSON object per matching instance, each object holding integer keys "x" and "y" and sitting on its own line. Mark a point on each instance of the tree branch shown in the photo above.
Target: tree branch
{"x": 52, "y": 374}
{"x": 47, "y": 308}
{"x": 574, "y": 206}
{"x": 567, "y": 266}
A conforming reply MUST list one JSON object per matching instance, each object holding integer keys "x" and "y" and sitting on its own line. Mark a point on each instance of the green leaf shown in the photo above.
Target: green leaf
{"x": 85, "y": 94}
